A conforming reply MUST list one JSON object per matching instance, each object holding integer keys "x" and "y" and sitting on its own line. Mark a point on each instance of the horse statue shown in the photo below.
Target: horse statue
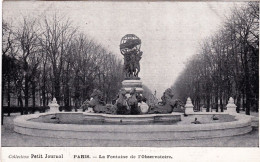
{"x": 179, "y": 106}
{"x": 98, "y": 104}
{"x": 121, "y": 103}
{"x": 168, "y": 104}
{"x": 133, "y": 102}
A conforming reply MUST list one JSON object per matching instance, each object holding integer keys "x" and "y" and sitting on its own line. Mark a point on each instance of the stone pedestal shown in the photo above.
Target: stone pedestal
{"x": 231, "y": 107}
{"x": 54, "y": 106}
{"x": 129, "y": 84}
{"x": 204, "y": 109}
{"x": 189, "y": 107}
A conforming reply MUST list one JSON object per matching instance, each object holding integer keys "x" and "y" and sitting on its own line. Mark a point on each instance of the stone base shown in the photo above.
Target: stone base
{"x": 132, "y": 78}
{"x": 189, "y": 110}
{"x": 129, "y": 84}
{"x": 231, "y": 110}
{"x": 54, "y": 109}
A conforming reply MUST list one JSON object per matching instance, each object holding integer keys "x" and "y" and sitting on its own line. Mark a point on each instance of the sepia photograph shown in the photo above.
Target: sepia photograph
{"x": 129, "y": 74}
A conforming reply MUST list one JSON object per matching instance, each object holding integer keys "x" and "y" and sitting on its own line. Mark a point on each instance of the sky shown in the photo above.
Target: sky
{"x": 171, "y": 32}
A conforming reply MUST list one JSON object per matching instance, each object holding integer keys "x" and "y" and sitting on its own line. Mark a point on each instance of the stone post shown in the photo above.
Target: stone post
{"x": 54, "y": 107}
{"x": 189, "y": 106}
{"x": 218, "y": 106}
{"x": 231, "y": 107}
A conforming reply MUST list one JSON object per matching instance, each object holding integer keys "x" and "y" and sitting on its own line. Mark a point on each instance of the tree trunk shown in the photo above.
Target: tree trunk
{"x": 238, "y": 102}
{"x": 3, "y": 93}
{"x": 208, "y": 103}
{"x": 44, "y": 95}
{"x": 247, "y": 84}
{"x": 26, "y": 94}
{"x": 47, "y": 100}
{"x": 8, "y": 96}
{"x": 33, "y": 94}
{"x": 57, "y": 89}
{"x": 216, "y": 100}
{"x": 20, "y": 100}
{"x": 221, "y": 104}
{"x": 66, "y": 98}
{"x": 243, "y": 103}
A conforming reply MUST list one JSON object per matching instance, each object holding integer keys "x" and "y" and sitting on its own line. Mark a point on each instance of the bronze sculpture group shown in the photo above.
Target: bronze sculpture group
{"x": 129, "y": 106}
{"x": 132, "y": 64}
{"x": 130, "y": 49}
{"x": 167, "y": 105}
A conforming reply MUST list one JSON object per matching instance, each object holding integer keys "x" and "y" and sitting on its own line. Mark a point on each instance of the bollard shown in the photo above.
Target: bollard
{"x": 54, "y": 107}
{"x": 231, "y": 107}
{"x": 189, "y": 106}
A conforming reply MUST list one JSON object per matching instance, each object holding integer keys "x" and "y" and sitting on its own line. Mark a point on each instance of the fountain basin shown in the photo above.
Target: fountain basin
{"x": 93, "y": 118}
{"x": 132, "y": 130}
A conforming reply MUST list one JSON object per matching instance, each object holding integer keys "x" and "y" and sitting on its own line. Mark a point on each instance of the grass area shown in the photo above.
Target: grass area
{"x": 13, "y": 139}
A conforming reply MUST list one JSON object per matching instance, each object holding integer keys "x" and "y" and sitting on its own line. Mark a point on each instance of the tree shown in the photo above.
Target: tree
{"x": 226, "y": 64}
{"x": 48, "y": 58}
{"x": 28, "y": 45}
{"x": 55, "y": 41}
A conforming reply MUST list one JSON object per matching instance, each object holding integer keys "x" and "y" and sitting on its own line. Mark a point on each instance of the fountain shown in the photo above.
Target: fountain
{"x": 130, "y": 118}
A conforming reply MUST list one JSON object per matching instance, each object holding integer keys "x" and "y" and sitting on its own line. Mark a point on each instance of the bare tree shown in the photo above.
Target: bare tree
{"x": 27, "y": 40}
{"x": 55, "y": 40}
{"x": 228, "y": 64}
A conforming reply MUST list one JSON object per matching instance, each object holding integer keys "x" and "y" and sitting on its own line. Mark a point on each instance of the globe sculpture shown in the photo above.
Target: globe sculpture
{"x": 130, "y": 48}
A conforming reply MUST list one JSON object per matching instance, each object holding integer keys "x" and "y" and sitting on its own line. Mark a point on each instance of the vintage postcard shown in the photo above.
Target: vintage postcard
{"x": 130, "y": 81}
